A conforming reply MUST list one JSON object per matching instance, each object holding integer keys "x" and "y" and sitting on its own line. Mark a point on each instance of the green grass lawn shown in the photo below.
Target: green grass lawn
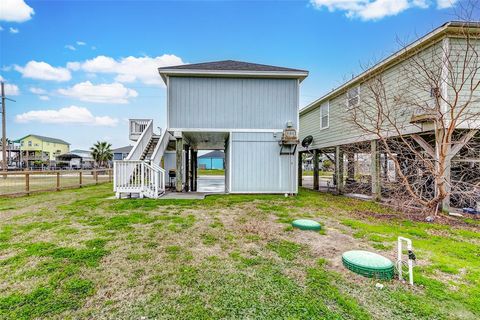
{"x": 211, "y": 172}
{"x": 80, "y": 254}
{"x": 320, "y": 173}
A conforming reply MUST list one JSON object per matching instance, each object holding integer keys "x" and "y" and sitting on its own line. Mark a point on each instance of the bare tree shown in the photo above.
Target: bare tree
{"x": 426, "y": 118}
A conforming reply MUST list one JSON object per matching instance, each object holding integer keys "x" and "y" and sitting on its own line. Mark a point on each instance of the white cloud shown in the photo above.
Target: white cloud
{"x": 11, "y": 90}
{"x": 444, "y": 4}
{"x": 70, "y": 47}
{"x": 36, "y": 90}
{"x": 44, "y": 98}
{"x": 13, "y": 30}
{"x": 81, "y": 43}
{"x": 129, "y": 69}
{"x": 73, "y": 66}
{"x": 101, "y": 93}
{"x": 375, "y": 9}
{"x": 44, "y": 71}
{"x": 67, "y": 115}
{"x": 15, "y": 11}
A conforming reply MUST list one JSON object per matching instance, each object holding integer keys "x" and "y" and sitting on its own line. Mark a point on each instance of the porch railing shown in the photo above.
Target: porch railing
{"x": 138, "y": 177}
{"x": 137, "y": 126}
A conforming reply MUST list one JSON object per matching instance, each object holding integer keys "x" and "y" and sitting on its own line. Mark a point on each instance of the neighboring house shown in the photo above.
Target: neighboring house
{"x": 76, "y": 159}
{"x": 13, "y": 155}
{"x": 247, "y": 110}
{"x": 35, "y": 148}
{"x": 121, "y": 153}
{"x": 212, "y": 160}
{"x": 328, "y": 119}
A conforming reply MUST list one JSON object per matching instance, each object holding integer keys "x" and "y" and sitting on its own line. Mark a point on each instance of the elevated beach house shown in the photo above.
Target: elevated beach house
{"x": 412, "y": 98}
{"x": 35, "y": 149}
{"x": 247, "y": 110}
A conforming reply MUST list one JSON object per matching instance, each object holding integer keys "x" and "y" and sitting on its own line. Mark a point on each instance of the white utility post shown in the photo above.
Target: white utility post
{"x": 411, "y": 257}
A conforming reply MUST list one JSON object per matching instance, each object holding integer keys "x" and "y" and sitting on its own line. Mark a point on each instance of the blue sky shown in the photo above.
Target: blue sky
{"x": 79, "y": 69}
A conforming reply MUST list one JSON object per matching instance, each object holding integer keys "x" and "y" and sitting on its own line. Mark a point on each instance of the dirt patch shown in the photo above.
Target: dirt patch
{"x": 330, "y": 245}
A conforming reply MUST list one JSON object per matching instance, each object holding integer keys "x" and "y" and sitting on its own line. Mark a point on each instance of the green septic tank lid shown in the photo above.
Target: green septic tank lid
{"x": 305, "y": 224}
{"x": 368, "y": 264}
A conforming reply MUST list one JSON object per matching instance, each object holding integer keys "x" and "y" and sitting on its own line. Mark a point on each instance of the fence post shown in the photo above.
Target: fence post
{"x": 109, "y": 175}
{"x": 80, "y": 178}
{"x": 96, "y": 176}
{"x": 27, "y": 183}
{"x": 58, "y": 180}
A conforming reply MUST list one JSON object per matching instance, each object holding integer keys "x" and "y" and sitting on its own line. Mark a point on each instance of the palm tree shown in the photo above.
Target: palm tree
{"x": 101, "y": 152}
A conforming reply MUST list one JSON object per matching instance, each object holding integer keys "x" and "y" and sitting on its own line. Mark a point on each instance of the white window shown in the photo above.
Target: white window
{"x": 324, "y": 115}
{"x": 353, "y": 97}
{"x": 29, "y": 143}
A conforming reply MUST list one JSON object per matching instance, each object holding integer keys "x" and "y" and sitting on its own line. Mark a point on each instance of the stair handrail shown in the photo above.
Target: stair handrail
{"x": 141, "y": 143}
{"x": 160, "y": 148}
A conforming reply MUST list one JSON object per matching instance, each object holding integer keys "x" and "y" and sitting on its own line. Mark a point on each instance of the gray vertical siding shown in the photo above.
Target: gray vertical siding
{"x": 257, "y": 165}
{"x": 232, "y": 103}
{"x": 169, "y": 161}
{"x": 227, "y": 165}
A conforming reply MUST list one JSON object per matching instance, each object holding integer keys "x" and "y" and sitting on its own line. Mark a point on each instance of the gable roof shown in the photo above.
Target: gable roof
{"x": 79, "y": 151}
{"x": 232, "y": 68}
{"x": 125, "y": 149}
{"x": 43, "y": 138}
{"x": 230, "y": 65}
{"x": 429, "y": 38}
{"x": 213, "y": 154}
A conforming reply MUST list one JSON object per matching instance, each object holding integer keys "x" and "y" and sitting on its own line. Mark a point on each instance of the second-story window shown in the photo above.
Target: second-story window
{"x": 353, "y": 97}
{"x": 29, "y": 143}
{"x": 324, "y": 115}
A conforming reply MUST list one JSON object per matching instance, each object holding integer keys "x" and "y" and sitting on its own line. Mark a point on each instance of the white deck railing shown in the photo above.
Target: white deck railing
{"x": 136, "y": 128}
{"x": 138, "y": 177}
{"x": 141, "y": 143}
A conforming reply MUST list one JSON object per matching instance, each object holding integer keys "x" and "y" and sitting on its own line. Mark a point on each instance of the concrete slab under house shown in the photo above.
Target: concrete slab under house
{"x": 249, "y": 111}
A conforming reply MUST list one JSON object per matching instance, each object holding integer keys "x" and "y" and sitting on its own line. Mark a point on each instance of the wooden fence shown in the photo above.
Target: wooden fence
{"x": 27, "y": 182}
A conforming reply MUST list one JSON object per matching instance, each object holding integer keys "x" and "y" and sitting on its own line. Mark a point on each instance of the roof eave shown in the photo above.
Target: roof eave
{"x": 431, "y": 36}
{"x": 164, "y": 73}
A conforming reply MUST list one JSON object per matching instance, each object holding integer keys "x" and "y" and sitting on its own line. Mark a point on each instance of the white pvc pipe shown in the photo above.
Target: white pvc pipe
{"x": 399, "y": 259}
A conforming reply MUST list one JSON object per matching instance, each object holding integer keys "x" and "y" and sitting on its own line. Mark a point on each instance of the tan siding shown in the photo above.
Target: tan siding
{"x": 342, "y": 131}
{"x": 458, "y": 53}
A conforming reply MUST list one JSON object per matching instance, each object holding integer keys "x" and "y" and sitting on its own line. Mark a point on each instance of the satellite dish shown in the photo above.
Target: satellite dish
{"x": 307, "y": 141}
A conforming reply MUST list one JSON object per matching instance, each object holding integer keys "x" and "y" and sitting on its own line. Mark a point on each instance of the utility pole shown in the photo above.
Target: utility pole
{"x": 4, "y": 129}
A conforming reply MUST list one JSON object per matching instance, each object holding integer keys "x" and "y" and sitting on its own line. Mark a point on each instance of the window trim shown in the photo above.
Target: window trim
{"x": 327, "y": 104}
{"x": 358, "y": 97}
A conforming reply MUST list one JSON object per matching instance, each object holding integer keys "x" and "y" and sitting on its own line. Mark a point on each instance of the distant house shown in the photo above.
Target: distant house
{"x": 121, "y": 153}
{"x": 76, "y": 159}
{"x": 35, "y": 148}
{"x": 212, "y": 160}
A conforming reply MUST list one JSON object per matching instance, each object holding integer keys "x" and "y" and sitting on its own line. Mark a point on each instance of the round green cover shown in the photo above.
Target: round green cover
{"x": 366, "y": 259}
{"x": 305, "y": 224}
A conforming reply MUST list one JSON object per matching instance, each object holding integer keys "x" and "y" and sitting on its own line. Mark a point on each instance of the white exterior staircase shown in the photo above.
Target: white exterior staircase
{"x": 140, "y": 174}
